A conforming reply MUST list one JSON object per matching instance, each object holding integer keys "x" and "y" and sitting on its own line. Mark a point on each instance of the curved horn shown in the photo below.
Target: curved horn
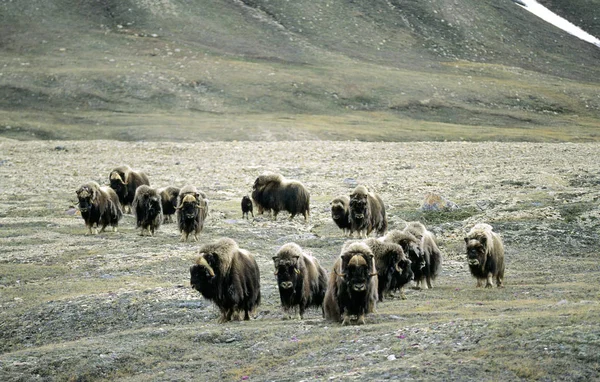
{"x": 297, "y": 270}
{"x": 202, "y": 261}
{"x": 338, "y": 275}
{"x": 398, "y": 269}
{"x": 372, "y": 274}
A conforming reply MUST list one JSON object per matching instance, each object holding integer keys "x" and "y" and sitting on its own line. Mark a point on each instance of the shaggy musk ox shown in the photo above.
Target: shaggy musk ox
{"x": 302, "y": 281}
{"x": 352, "y": 287}
{"x": 367, "y": 213}
{"x": 432, "y": 257}
{"x": 192, "y": 210}
{"x": 340, "y": 213}
{"x": 98, "y": 205}
{"x": 485, "y": 255}
{"x": 274, "y": 192}
{"x": 168, "y": 197}
{"x": 393, "y": 267}
{"x": 147, "y": 208}
{"x": 412, "y": 248}
{"x": 125, "y": 182}
{"x": 229, "y": 277}
{"x": 247, "y": 206}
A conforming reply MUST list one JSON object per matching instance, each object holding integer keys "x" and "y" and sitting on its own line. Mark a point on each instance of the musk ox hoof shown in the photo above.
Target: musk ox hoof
{"x": 488, "y": 286}
{"x": 361, "y": 320}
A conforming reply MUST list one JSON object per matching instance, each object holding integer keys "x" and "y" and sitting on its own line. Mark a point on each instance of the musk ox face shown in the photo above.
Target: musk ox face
{"x": 338, "y": 211}
{"x": 202, "y": 274}
{"x": 117, "y": 183}
{"x": 357, "y": 272}
{"x": 287, "y": 272}
{"x": 86, "y": 198}
{"x": 476, "y": 250}
{"x": 358, "y": 206}
{"x": 189, "y": 206}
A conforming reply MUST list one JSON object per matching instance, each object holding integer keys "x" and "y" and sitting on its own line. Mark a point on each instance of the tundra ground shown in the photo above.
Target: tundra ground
{"x": 118, "y": 306}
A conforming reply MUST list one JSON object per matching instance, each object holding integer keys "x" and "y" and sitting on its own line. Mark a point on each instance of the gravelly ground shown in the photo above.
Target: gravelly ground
{"x": 119, "y": 306}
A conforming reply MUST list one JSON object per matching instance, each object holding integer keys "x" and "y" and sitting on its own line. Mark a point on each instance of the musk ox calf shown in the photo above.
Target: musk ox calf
{"x": 367, "y": 213}
{"x": 168, "y": 197}
{"x": 192, "y": 210}
{"x": 229, "y": 277}
{"x": 432, "y": 256}
{"x": 125, "y": 182}
{"x": 147, "y": 208}
{"x": 302, "y": 281}
{"x": 340, "y": 213}
{"x": 352, "y": 286}
{"x": 272, "y": 192}
{"x": 247, "y": 207}
{"x": 393, "y": 267}
{"x": 485, "y": 255}
{"x": 98, "y": 205}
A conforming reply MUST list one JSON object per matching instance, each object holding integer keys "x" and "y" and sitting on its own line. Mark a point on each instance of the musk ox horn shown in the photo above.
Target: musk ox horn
{"x": 372, "y": 274}
{"x": 297, "y": 270}
{"x": 338, "y": 275}
{"x": 202, "y": 261}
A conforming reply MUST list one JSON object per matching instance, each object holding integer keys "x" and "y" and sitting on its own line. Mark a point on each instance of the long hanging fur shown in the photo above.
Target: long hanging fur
{"x": 229, "y": 277}
{"x": 430, "y": 252}
{"x": 168, "y": 197}
{"x": 393, "y": 267}
{"x": 125, "y": 182}
{"x": 367, "y": 213}
{"x": 272, "y": 192}
{"x": 485, "y": 255}
{"x": 192, "y": 210}
{"x": 98, "y": 206}
{"x": 340, "y": 213}
{"x": 147, "y": 208}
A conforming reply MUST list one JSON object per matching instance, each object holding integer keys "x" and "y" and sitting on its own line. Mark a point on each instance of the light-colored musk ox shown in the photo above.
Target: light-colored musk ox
{"x": 98, "y": 206}
{"x": 352, "y": 286}
{"x": 412, "y": 248}
{"x": 168, "y": 197}
{"x": 485, "y": 255}
{"x": 229, "y": 277}
{"x": 125, "y": 182}
{"x": 340, "y": 213}
{"x": 302, "y": 281}
{"x": 247, "y": 207}
{"x": 147, "y": 208}
{"x": 272, "y": 192}
{"x": 432, "y": 256}
{"x": 393, "y": 267}
{"x": 367, "y": 213}
{"x": 192, "y": 210}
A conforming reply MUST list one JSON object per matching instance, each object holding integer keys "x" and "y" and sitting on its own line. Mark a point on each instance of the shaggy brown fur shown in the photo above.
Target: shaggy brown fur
{"x": 274, "y": 192}
{"x": 147, "y": 208}
{"x": 98, "y": 205}
{"x": 301, "y": 280}
{"x": 352, "y": 288}
{"x": 412, "y": 248}
{"x": 430, "y": 252}
{"x": 367, "y": 213}
{"x": 192, "y": 210}
{"x": 340, "y": 213}
{"x": 393, "y": 267}
{"x": 485, "y": 255}
{"x": 168, "y": 197}
{"x": 228, "y": 276}
{"x": 125, "y": 182}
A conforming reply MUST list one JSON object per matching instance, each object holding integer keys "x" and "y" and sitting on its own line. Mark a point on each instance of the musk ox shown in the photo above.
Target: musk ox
{"x": 98, "y": 205}
{"x": 412, "y": 248}
{"x": 432, "y": 256}
{"x": 272, "y": 192}
{"x": 168, "y": 197}
{"x": 485, "y": 255}
{"x": 302, "y": 281}
{"x": 147, "y": 208}
{"x": 393, "y": 267}
{"x": 340, "y": 213}
{"x": 229, "y": 277}
{"x": 352, "y": 286}
{"x": 367, "y": 213}
{"x": 125, "y": 181}
{"x": 192, "y": 210}
{"x": 247, "y": 207}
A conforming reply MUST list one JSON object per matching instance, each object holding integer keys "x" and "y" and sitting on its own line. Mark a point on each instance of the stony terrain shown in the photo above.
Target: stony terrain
{"x": 118, "y": 306}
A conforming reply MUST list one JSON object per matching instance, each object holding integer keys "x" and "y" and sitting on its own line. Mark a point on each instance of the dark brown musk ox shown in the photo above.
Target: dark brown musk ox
{"x": 229, "y": 277}
{"x": 412, "y": 248}
{"x": 340, "y": 213}
{"x": 192, "y": 210}
{"x": 247, "y": 207}
{"x": 485, "y": 255}
{"x": 125, "y": 182}
{"x": 393, "y": 267}
{"x": 367, "y": 213}
{"x": 432, "y": 256}
{"x": 168, "y": 197}
{"x": 147, "y": 208}
{"x": 301, "y": 280}
{"x": 272, "y": 192}
{"x": 98, "y": 206}
{"x": 352, "y": 286}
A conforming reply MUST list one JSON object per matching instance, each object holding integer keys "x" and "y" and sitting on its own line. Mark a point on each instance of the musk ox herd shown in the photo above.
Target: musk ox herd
{"x": 367, "y": 270}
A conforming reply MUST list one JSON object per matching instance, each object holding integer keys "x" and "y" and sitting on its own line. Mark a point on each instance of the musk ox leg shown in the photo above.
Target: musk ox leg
{"x": 429, "y": 285}
{"x": 286, "y": 313}
{"x": 500, "y": 280}
{"x": 489, "y": 283}
{"x": 402, "y": 295}
{"x": 361, "y": 319}
{"x": 246, "y": 315}
{"x": 479, "y": 283}
{"x": 346, "y": 320}
{"x": 183, "y": 236}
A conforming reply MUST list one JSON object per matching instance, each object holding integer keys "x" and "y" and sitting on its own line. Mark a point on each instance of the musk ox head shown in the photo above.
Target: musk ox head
{"x": 357, "y": 267}
{"x": 202, "y": 274}
{"x": 339, "y": 208}
{"x": 190, "y": 206}
{"x": 87, "y": 195}
{"x": 359, "y": 203}
{"x": 287, "y": 267}
{"x": 117, "y": 183}
{"x": 150, "y": 199}
{"x": 477, "y": 250}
